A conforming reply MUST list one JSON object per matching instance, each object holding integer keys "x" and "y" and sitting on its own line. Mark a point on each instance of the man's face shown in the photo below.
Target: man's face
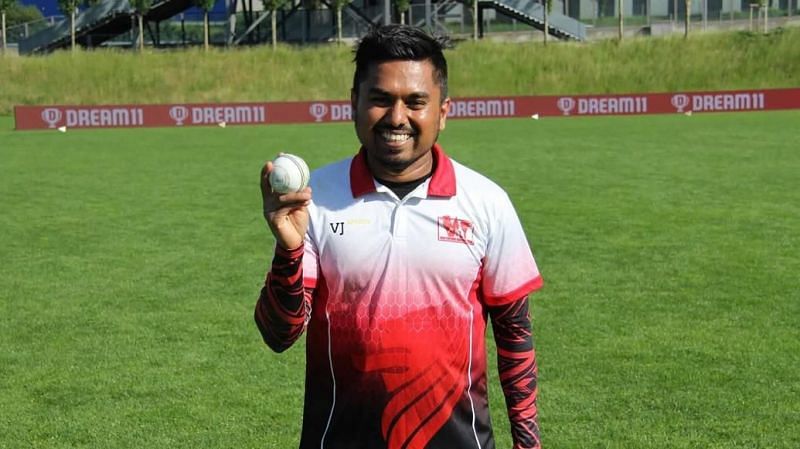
{"x": 398, "y": 115}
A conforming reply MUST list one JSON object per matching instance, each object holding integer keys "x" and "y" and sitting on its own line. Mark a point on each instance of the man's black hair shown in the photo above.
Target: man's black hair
{"x": 398, "y": 43}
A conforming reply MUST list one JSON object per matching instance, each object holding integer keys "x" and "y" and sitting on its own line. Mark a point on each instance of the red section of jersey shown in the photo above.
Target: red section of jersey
{"x": 442, "y": 183}
{"x": 415, "y": 362}
{"x": 418, "y": 374}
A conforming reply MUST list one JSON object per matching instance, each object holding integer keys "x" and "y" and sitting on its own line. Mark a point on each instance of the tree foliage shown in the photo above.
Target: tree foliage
{"x": 68, "y": 6}
{"x": 338, "y": 6}
{"x": 402, "y": 7}
{"x": 273, "y": 5}
{"x": 548, "y": 8}
{"x": 18, "y": 13}
{"x": 141, "y": 6}
{"x": 688, "y": 18}
{"x": 206, "y": 6}
{"x": 5, "y": 5}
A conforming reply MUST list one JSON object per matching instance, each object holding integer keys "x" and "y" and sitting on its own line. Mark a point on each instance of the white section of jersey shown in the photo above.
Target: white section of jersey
{"x": 418, "y": 244}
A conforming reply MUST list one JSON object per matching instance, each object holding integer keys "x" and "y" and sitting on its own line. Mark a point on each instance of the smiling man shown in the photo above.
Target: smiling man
{"x": 394, "y": 268}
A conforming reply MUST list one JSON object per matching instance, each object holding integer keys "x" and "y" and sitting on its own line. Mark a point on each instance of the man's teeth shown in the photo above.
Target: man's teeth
{"x": 392, "y": 137}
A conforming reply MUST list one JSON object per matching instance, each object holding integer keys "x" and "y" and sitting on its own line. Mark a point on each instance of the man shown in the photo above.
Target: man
{"x": 393, "y": 268}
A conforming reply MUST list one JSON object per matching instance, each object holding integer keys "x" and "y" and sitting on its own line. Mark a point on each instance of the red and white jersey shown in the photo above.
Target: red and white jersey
{"x": 395, "y": 346}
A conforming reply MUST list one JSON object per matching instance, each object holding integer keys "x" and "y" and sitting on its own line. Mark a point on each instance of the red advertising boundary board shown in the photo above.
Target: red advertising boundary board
{"x": 178, "y": 115}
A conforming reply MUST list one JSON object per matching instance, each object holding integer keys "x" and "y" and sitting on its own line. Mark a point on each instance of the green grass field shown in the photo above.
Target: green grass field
{"x": 131, "y": 261}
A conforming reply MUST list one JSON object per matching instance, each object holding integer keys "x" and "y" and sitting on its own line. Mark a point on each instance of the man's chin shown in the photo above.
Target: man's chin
{"x": 393, "y": 154}
{"x": 395, "y": 159}
{"x": 395, "y": 164}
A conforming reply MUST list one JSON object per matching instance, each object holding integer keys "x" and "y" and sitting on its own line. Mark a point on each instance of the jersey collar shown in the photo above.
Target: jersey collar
{"x": 442, "y": 182}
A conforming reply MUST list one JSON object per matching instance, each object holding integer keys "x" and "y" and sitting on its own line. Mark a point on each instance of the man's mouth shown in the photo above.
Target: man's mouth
{"x": 395, "y": 136}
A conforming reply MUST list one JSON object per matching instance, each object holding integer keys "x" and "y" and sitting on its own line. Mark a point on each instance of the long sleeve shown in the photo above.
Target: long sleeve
{"x": 283, "y": 306}
{"x": 516, "y": 363}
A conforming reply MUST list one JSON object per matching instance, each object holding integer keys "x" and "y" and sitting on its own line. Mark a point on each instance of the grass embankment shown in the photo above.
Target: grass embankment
{"x": 712, "y": 61}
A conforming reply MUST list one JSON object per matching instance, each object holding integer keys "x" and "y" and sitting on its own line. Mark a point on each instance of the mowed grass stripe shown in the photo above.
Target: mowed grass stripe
{"x": 132, "y": 259}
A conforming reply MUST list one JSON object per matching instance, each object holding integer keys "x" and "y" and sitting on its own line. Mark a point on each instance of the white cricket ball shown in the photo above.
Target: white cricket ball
{"x": 289, "y": 174}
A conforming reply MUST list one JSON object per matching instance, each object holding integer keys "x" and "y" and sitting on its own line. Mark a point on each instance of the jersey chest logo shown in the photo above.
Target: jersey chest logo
{"x": 337, "y": 227}
{"x": 454, "y": 229}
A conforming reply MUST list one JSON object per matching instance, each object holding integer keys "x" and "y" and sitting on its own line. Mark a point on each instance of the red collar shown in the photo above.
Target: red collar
{"x": 443, "y": 180}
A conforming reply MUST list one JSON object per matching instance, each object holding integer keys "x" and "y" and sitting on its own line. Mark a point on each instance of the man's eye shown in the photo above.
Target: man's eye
{"x": 381, "y": 101}
{"x": 416, "y": 104}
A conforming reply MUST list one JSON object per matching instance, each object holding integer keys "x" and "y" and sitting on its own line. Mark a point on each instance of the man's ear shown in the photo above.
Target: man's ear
{"x": 444, "y": 109}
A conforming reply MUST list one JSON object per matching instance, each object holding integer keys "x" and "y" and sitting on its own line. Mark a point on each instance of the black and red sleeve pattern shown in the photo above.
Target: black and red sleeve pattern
{"x": 516, "y": 363}
{"x": 283, "y": 305}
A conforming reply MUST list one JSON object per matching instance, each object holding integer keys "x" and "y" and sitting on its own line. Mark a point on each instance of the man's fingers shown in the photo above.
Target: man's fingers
{"x": 274, "y": 202}
{"x": 295, "y": 197}
{"x": 265, "y": 170}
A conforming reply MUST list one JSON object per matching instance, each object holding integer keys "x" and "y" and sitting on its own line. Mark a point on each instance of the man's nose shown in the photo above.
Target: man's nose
{"x": 397, "y": 115}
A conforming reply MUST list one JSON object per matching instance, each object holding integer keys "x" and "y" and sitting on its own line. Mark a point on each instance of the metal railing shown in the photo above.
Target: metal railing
{"x": 22, "y": 31}
{"x": 534, "y": 11}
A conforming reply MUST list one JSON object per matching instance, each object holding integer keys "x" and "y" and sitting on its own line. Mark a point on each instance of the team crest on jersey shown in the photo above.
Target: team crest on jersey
{"x": 453, "y": 229}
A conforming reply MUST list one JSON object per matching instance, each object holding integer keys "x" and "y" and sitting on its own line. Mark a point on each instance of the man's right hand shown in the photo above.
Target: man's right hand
{"x": 286, "y": 213}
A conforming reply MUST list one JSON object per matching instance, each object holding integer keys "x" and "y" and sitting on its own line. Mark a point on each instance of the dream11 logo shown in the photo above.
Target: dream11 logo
{"x": 318, "y": 111}
{"x": 680, "y": 101}
{"x": 566, "y": 105}
{"x": 51, "y": 116}
{"x": 179, "y": 114}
